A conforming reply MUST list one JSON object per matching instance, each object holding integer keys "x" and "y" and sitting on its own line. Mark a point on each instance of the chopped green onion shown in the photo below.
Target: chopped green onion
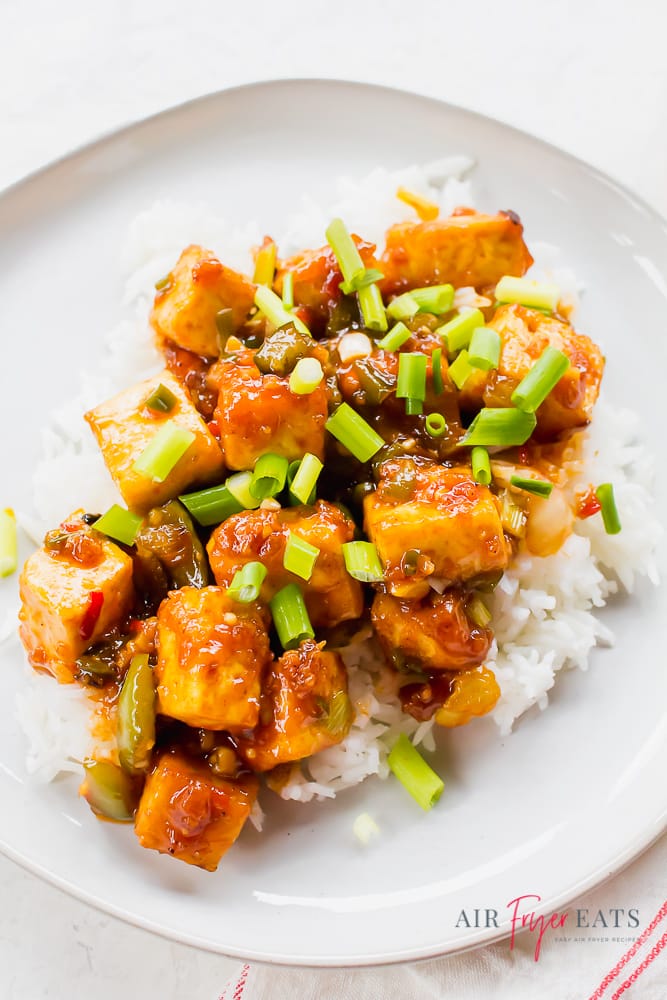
{"x": 300, "y": 556}
{"x": 306, "y": 376}
{"x": 499, "y": 427}
{"x": 436, "y": 299}
{"x": 161, "y": 400}
{"x": 359, "y": 281}
{"x": 339, "y": 714}
{"x": 269, "y": 476}
{"x": 414, "y": 407}
{"x": 396, "y": 337}
{"x": 272, "y": 307}
{"x": 362, "y": 561}
{"x": 478, "y": 612}
{"x": 348, "y": 427}
{"x": 481, "y": 466}
{"x": 290, "y": 617}
{"x": 345, "y": 250}
{"x": 288, "y": 290}
{"x": 305, "y": 478}
{"x": 512, "y": 517}
{"x": 239, "y": 487}
{"x": 372, "y": 308}
{"x": 460, "y": 370}
{"x": 484, "y": 350}
{"x": 247, "y": 582}
{"x": 120, "y": 524}
{"x": 8, "y": 542}
{"x": 435, "y": 424}
{"x": 420, "y": 780}
{"x": 265, "y": 264}
{"x": 402, "y": 307}
{"x": 164, "y": 451}
{"x": 365, "y": 829}
{"x": 211, "y": 506}
{"x": 411, "y": 376}
{"x": 538, "y": 487}
{"x": 608, "y": 509}
{"x": 539, "y": 294}
{"x": 436, "y": 371}
{"x": 534, "y": 387}
{"x": 458, "y": 331}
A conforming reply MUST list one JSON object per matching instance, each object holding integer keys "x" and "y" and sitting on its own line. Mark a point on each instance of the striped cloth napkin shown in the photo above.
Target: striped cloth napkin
{"x": 582, "y": 960}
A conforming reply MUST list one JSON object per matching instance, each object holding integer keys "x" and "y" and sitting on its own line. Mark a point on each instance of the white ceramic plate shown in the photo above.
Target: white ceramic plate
{"x": 574, "y": 793}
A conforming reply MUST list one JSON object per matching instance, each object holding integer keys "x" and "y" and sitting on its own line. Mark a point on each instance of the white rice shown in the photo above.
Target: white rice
{"x": 543, "y": 609}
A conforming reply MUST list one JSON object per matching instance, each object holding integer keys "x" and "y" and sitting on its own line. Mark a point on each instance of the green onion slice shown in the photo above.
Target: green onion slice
{"x": 306, "y": 376}
{"x": 265, "y": 264}
{"x": 436, "y": 299}
{"x": 539, "y": 294}
{"x": 403, "y": 307}
{"x": 362, "y": 561}
{"x": 348, "y": 427}
{"x": 272, "y": 307}
{"x": 411, "y": 376}
{"x": 8, "y": 542}
{"x": 436, "y": 371}
{"x": 305, "y": 478}
{"x": 481, "y": 465}
{"x": 499, "y": 427}
{"x": 164, "y": 451}
{"x": 414, "y": 407}
{"x": 545, "y": 374}
{"x": 435, "y": 424}
{"x": 372, "y": 308}
{"x": 478, "y": 612}
{"x": 119, "y": 524}
{"x": 608, "y": 509}
{"x": 269, "y": 476}
{"x": 345, "y": 250}
{"x": 247, "y": 582}
{"x": 420, "y": 780}
{"x": 290, "y": 617}
{"x": 458, "y": 331}
{"x": 359, "y": 281}
{"x": 396, "y": 337}
{"x": 161, "y": 400}
{"x": 460, "y": 370}
{"x": 239, "y": 487}
{"x": 300, "y": 556}
{"x": 538, "y": 487}
{"x": 211, "y": 506}
{"x": 484, "y": 350}
{"x": 288, "y": 290}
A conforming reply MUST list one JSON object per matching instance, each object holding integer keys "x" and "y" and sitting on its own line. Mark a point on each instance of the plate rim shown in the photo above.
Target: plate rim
{"x": 598, "y": 876}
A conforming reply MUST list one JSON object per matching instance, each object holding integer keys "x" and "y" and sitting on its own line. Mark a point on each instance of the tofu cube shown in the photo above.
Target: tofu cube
{"x": 59, "y": 617}
{"x": 331, "y": 595}
{"x": 198, "y": 287}
{"x": 427, "y": 520}
{"x": 305, "y": 708}
{"x": 124, "y": 426}
{"x": 464, "y": 249}
{"x": 259, "y": 413}
{"x": 212, "y": 652}
{"x": 188, "y": 812}
{"x": 524, "y": 334}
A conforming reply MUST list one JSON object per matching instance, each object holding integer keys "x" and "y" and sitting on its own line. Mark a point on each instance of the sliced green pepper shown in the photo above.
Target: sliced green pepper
{"x": 135, "y": 732}
{"x": 168, "y": 532}
{"x": 109, "y": 791}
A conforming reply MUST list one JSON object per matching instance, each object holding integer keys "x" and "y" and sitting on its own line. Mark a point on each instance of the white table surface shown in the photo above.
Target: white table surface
{"x": 587, "y": 75}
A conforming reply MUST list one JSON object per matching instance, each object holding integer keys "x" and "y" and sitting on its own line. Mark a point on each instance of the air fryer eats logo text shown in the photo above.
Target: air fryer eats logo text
{"x": 524, "y": 918}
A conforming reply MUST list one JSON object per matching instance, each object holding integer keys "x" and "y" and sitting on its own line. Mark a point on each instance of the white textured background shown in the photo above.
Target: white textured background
{"x": 589, "y": 76}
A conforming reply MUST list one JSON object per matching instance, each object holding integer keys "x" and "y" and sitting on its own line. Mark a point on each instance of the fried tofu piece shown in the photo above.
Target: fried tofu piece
{"x": 524, "y": 334}
{"x": 199, "y": 286}
{"x": 427, "y": 520}
{"x": 124, "y": 426}
{"x": 433, "y": 634}
{"x": 331, "y": 594}
{"x": 189, "y": 812}
{"x": 305, "y": 708}
{"x": 72, "y": 595}
{"x": 259, "y": 413}
{"x": 212, "y": 652}
{"x": 316, "y": 275}
{"x": 463, "y": 249}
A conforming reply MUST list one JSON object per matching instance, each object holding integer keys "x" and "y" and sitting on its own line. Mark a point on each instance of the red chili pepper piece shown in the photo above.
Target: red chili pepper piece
{"x": 588, "y": 504}
{"x": 92, "y": 614}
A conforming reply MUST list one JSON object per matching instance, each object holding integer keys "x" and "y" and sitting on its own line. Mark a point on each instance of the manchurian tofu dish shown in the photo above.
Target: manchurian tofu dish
{"x": 355, "y": 438}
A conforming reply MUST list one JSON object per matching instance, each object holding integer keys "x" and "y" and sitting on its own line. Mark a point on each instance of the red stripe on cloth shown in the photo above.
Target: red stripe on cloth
{"x": 238, "y": 987}
{"x": 634, "y": 976}
{"x": 630, "y": 953}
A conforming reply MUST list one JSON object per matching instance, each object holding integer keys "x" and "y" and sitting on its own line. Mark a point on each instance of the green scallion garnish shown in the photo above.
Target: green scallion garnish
{"x": 396, "y": 337}
{"x": 361, "y": 280}
{"x": 478, "y": 612}
{"x": 403, "y": 307}
{"x": 120, "y": 524}
{"x": 545, "y": 374}
{"x": 290, "y": 617}
{"x": 304, "y": 483}
{"x": 414, "y": 407}
{"x": 458, "y": 331}
{"x": 538, "y": 487}
{"x": 288, "y": 290}
{"x": 435, "y": 424}
{"x": 269, "y": 476}
{"x": 523, "y": 291}
{"x": 481, "y": 465}
{"x": 211, "y": 506}
{"x": 8, "y": 542}
{"x": 499, "y": 427}
{"x": 164, "y": 451}
{"x": 372, "y": 308}
{"x": 436, "y": 299}
{"x": 300, "y": 556}
{"x": 247, "y": 582}
{"x": 362, "y": 561}
{"x": 306, "y": 376}
{"x": 265, "y": 264}
{"x": 161, "y": 400}
{"x": 239, "y": 486}
{"x": 353, "y": 270}
{"x": 608, "y": 509}
{"x": 348, "y": 427}
{"x": 420, "y": 780}
{"x": 436, "y": 371}
{"x": 484, "y": 350}
{"x": 411, "y": 376}
{"x": 460, "y": 369}
{"x": 272, "y": 307}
